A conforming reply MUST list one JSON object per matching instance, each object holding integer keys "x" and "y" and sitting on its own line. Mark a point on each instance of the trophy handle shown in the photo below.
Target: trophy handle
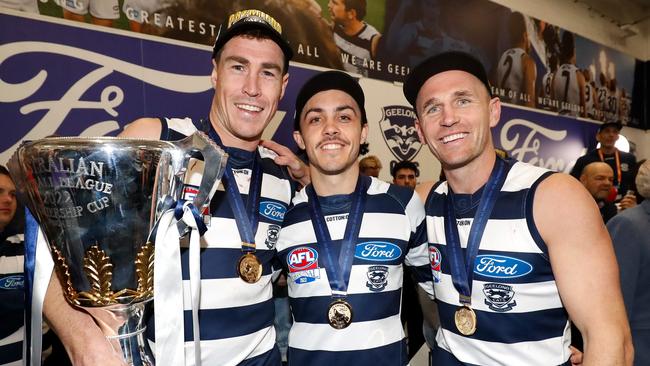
{"x": 215, "y": 164}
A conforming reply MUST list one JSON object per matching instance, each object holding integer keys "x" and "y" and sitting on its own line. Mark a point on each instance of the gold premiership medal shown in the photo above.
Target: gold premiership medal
{"x": 339, "y": 314}
{"x": 465, "y": 319}
{"x": 249, "y": 268}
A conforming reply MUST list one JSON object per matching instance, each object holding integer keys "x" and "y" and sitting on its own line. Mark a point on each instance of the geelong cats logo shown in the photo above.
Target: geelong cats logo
{"x": 398, "y": 129}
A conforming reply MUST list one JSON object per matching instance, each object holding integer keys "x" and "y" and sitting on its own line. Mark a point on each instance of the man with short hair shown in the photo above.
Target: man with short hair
{"x": 405, "y": 173}
{"x": 345, "y": 238}
{"x": 622, "y": 163}
{"x": 508, "y": 239}
{"x": 597, "y": 177}
{"x": 356, "y": 39}
{"x": 370, "y": 166}
{"x": 250, "y": 64}
{"x": 12, "y": 278}
{"x": 12, "y": 293}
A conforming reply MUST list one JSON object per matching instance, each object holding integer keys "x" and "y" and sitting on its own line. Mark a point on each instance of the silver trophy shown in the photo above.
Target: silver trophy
{"x": 98, "y": 201}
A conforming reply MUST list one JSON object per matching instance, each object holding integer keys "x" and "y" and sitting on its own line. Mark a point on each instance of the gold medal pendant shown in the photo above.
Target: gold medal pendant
{"x": 465, "y": 319}
{"x": 339, "y": 314}
{"x": 249, "y": 268}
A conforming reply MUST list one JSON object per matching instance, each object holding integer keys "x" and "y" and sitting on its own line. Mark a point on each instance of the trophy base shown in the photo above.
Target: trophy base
{"x": 123, "y": 326}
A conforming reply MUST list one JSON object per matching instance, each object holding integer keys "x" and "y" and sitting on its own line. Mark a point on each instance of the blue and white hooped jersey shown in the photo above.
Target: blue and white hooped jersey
{"x": 392, "y": 233}
{"x": 356, "y": 49}
{"x": 236, "y": 318}
{"x": 520, "y": 317}
{"x": 12, "y": 294}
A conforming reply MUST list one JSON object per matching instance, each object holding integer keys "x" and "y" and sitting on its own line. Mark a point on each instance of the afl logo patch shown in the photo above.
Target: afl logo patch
{"x": 272, "y": 210}
{"x": 435, "y": 259}
{"x": 302, "y": 259}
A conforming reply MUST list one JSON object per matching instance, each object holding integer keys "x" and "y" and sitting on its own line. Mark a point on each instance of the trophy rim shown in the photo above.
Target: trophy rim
{"x": 26, "y": 143}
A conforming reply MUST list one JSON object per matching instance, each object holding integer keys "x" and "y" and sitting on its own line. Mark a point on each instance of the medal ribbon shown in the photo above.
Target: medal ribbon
{"x": 38, "y": 268}
{"x": 617, "y": 156}
{"x": 247, "y": 226}
{"x": 179, "y": 211}
{"x": 462, "y": 268}
{"x": 338, "y": 272}
{"x": 31, "y": 234}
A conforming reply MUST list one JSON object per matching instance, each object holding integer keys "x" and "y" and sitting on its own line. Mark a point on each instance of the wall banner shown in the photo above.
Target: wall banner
{"x": 57, "y": 78}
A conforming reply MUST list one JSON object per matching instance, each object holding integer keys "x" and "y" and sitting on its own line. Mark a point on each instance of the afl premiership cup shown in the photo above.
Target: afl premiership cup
{"x": 97, "y": 201}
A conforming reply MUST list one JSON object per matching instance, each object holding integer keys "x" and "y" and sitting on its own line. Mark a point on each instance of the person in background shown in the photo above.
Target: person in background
{"x": 630, "y": 232}
{"x": 597, "y": 177}
{"x": 370, "y": 166}
{"x": 508, "y": 239}
{"x": 623, "y": 164}
{"x": 405, "y": 173}
{"x": 12, "y": 279}
{"x": 415, "y": 302}
{"x": 568, "y": 81}
{"x": 346, "y": 237}
{"x": 516, "y": 71}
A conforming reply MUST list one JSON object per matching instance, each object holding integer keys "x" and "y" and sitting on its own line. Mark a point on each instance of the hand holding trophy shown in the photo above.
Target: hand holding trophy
{"x": 97, "y": 201}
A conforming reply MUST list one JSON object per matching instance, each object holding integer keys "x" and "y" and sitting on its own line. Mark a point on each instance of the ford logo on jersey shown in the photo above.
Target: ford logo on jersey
{"x": 301, "y": 259}
{"x": 378, "y": 251}
{"x": 500, "y": 266}
{"x": 272, "y": 210}
{"x": 15, "y": 282}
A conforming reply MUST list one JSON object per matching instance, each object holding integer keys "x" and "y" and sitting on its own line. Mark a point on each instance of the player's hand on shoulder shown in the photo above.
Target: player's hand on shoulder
{"x": 298, "y": 170}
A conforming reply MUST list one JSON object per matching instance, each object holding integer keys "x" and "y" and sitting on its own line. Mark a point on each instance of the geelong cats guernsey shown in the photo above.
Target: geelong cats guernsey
{"x": 392, "y": 233}
{"x": 12, "y": 301}
{"x": 358, "y": 45}
{"x": 520, "y": 317}
{"x": 566, "y": 88}
{"x": 236, "y": 318}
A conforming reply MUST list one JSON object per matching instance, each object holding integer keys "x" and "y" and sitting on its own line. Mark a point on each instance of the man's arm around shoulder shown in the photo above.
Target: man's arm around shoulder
{"x": 144, "y": 128}
{"x": 584, "y": 266}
